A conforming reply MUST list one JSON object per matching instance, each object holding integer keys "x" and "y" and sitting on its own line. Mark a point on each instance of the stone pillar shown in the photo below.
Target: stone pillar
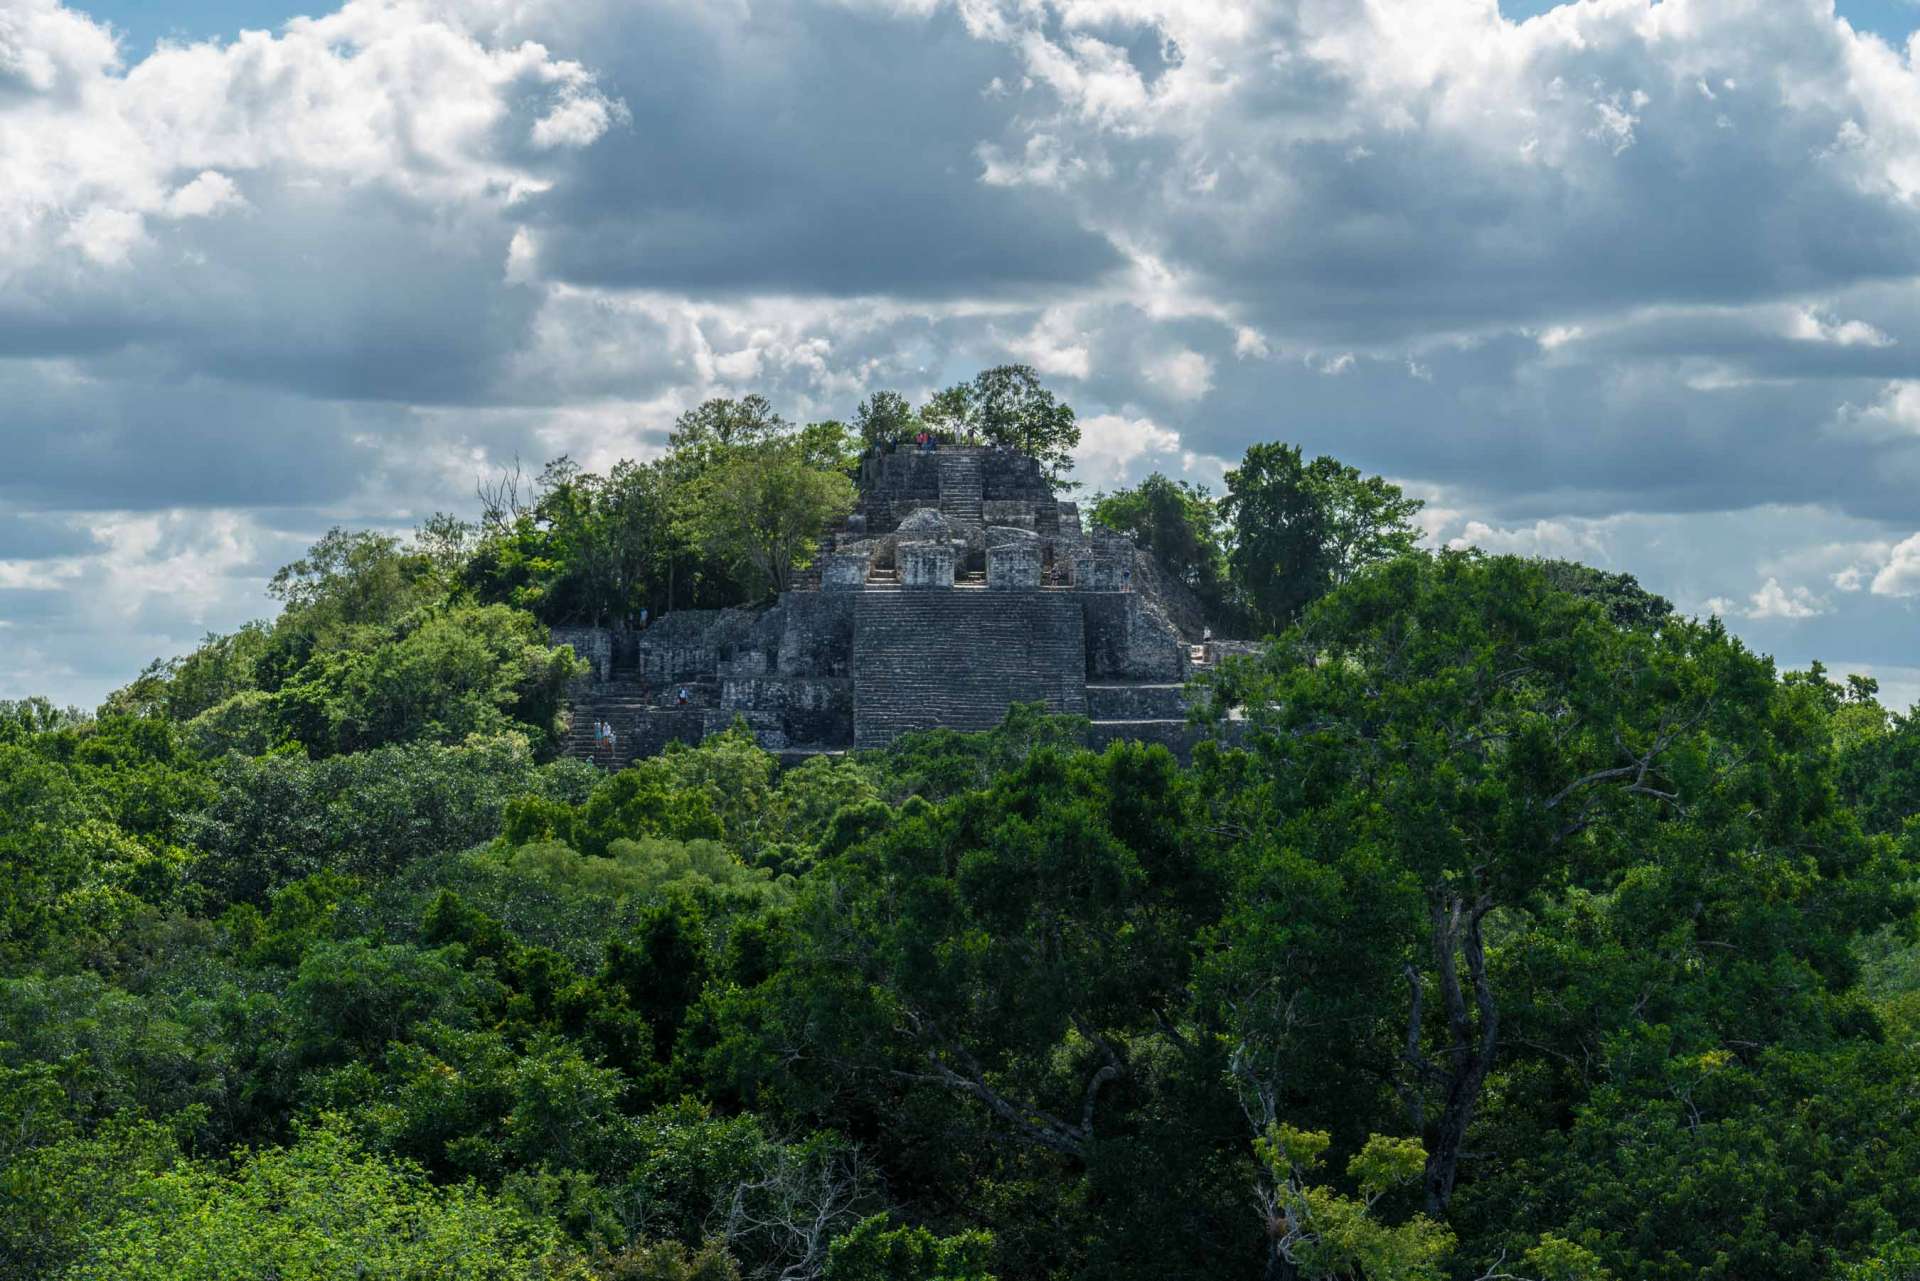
{"x": 1014, "y": 566}
{"x": 844, "y": 571}
{"x": 925, "y": 564}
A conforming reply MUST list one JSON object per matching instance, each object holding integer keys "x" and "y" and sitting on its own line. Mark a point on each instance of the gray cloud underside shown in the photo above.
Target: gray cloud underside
{"x": 1629, "y": 259}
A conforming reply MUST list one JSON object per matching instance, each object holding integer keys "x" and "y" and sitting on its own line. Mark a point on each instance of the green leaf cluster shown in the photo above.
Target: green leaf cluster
{"x": 1511, "y": 926}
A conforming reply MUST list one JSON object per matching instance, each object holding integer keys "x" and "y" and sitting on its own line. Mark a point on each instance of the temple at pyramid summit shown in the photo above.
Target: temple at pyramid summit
{"x": 960, "y": 584}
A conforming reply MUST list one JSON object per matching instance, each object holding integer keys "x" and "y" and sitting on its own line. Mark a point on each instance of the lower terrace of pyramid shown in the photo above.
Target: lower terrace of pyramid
{"x": 959, "y": 585}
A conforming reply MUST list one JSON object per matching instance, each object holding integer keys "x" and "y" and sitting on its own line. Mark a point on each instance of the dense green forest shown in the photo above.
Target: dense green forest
{"x": 1530, "y": 930}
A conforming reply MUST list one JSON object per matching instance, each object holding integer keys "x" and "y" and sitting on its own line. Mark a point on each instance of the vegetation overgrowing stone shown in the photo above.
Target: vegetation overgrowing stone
{"x": 1494, "y": 921}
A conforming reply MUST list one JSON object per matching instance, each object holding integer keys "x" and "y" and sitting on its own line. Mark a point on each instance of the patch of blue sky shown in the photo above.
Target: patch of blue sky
{"x": 142, "y": 24}
{"x": 1891, "y": 20}
{"x": 145, "y": 22}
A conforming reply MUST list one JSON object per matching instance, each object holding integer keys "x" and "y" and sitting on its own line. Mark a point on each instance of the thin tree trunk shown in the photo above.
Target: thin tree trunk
{"x": 1471, "y": 1049}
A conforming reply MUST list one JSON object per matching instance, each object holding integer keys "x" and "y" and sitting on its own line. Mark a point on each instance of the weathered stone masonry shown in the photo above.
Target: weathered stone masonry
{"x": 959, "y": 585}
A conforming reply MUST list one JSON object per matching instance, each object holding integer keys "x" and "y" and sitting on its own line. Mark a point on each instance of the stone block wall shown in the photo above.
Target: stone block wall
{"x": 1128, "y": 641}
{"x": 844, "y": 571}
{"x": 1137, "y": 702}
{"x": 807, "y": 711}
{"x": 768, "y": 729}
{"x": 1177, "y": 737}
{"x": 1102, "y": 571}
{"x": 1013, "y": 566}
{"x": 1018, "y": 515}
{"x": 999, "y": 487}
{"x": 650, "y": 734}
{"x": 926, "y": 565}
{"x": 594, "y": 644}
{"x": 1013, "y": 476}
{"x": 894, "y": 484}
{"x": 816, "y": 637}
{"x": 690, "y": 643}
{"x": 958, "y": 659}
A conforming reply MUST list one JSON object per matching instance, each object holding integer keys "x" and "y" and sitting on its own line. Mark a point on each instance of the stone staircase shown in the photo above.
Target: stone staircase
{"x": 643, "y": 718}
{"x": 621, "y": 703}
{"x": 957, "y": 659}
{"x": 961, "y": 486}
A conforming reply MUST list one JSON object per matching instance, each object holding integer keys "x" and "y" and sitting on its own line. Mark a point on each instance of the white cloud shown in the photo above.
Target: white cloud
{"x": 1057, "y": 345}
{"x": 1811, "y": 326}
{"x": 208, "y": 194}
{"x": 1043, "y": 162}
{"x": 46, "y": 49}
{"x": 106, "y": 236}
{"x": 375, "y": 94}
{"x": 1250, "y": 343}
{"x": 1560, "y": 539}
{"x": 523, "y": 258}
{"x": 579, "y": 119}
{"x": 1894, "y": 416}
{"x": 1775, "y": 601}
{"x": 1184, "y": 375}
{"x": 136, "y": 587}
{"x": 1552, "y": 285}
{"x": 37, "y": 575}
{"x": 1115, "y": 449}
{"x": 1900, "y": 576}
{"x": 1614, "y": 122}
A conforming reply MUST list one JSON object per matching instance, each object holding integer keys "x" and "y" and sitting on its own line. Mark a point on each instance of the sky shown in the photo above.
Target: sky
{"x": 1623, "y": 281}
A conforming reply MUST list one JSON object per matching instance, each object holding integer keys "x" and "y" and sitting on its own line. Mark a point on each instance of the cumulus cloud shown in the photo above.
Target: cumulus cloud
{"x": 1893, "y": 416}
{"x": 373, "y": 96}
{"x": 1775, "y": 601}
{"x": 1561, "y": 123}
{"x": 1057, "y": 344}
{"x": 106, "y": 237}
{"x": 1771, "y": 602}
{"x": 1116, "y": 449}
{"x": 1811, "y": 326}
{"x": 1900, "y": 576}
{"x": 577, "y": 120}
{"x": 123, "y": 587}
{"x": 1629, "y": 282}
{"x": 209, "y": 193}
{"x": 1111, "y": 444}
{"x": 1184, "y": 375}
{"x": 1564, "y": 540}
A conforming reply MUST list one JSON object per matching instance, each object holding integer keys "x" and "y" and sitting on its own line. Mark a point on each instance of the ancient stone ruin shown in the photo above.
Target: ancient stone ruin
{"x": 960, "y": 584}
